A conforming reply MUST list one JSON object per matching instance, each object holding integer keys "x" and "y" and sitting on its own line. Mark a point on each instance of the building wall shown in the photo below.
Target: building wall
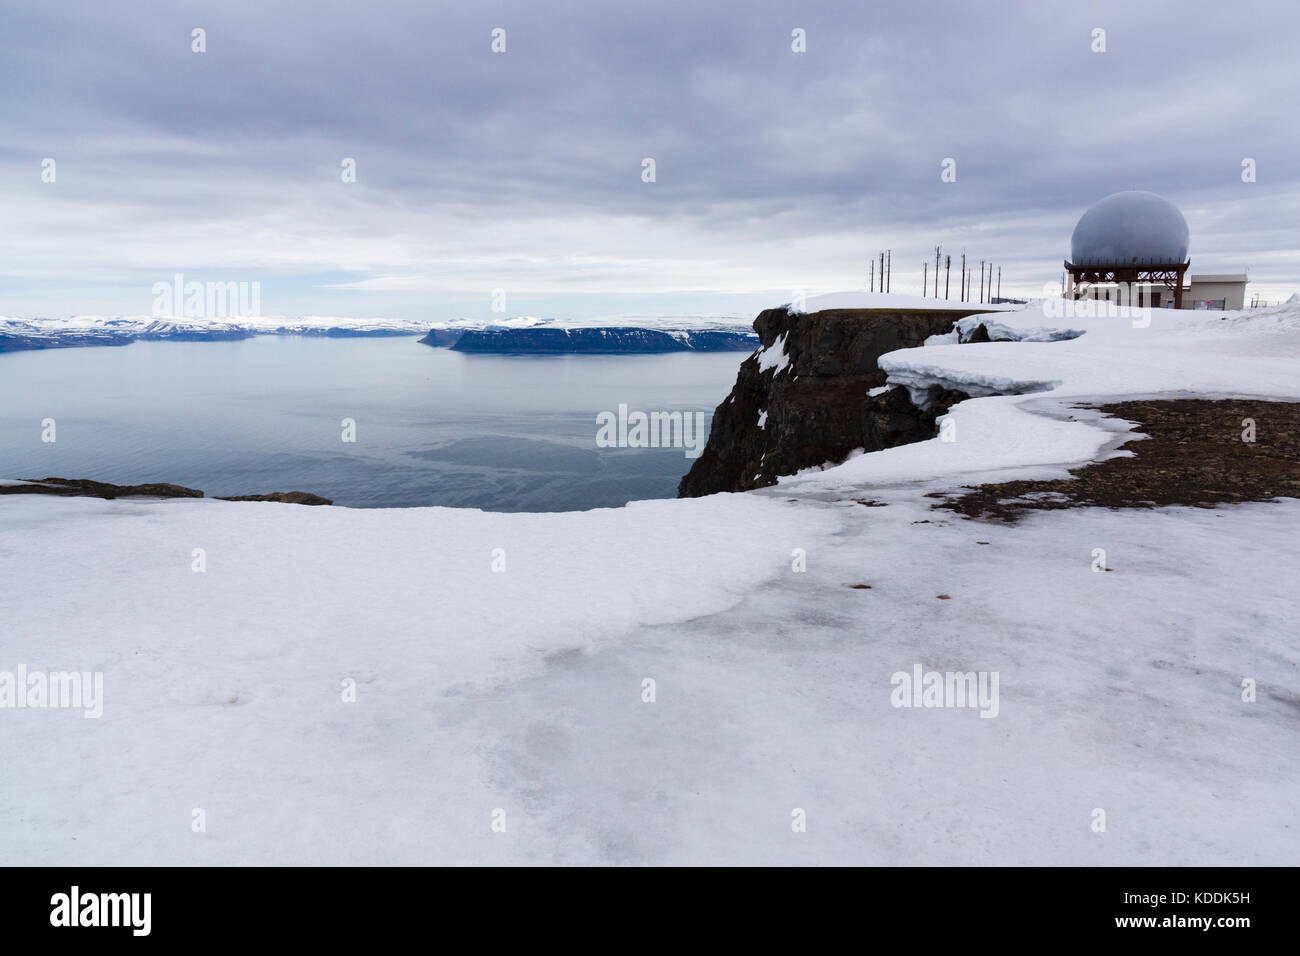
{"x": 1148, "y": 294}
{"x": 1231, "y": 290}
{"x": 1226, "y": 292}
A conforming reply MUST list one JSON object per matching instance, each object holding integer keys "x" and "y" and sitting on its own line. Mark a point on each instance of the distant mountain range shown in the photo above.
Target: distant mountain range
{"x": 592, "y": 341}
{"x": 83, "y": 330}
{"x": 522, "y": 334}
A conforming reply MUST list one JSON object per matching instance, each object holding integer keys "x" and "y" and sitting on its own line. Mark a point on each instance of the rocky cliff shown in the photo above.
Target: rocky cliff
{"x": 442, "y": 338}
{"x": 803, "y": 399}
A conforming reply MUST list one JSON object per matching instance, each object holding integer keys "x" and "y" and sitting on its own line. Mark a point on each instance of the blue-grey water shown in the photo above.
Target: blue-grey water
{"x": 433, "y": 427}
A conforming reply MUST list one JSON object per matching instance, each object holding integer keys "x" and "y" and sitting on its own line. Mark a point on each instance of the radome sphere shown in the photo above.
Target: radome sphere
{"x": 1130, "y": 228}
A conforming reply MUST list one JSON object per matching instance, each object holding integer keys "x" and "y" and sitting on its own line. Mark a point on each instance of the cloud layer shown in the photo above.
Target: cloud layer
{"x": 522, "y": 170}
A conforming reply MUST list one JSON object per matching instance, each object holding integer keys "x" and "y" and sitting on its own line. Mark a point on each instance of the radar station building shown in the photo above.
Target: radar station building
{"x": 1132, "y": 247}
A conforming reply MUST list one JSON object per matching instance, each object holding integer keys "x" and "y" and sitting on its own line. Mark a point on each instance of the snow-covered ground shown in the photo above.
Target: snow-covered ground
{"x": 519, "y": 695}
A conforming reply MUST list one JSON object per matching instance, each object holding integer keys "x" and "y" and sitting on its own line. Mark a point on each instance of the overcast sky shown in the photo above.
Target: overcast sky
{"x": 522, "y": 170}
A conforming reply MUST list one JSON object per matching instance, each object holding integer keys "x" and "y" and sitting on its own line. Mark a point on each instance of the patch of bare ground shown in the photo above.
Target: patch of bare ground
{"x": 1195, "y": 453}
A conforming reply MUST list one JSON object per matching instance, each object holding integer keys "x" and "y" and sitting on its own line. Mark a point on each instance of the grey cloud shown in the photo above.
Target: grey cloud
{"x": 748, "y": 137}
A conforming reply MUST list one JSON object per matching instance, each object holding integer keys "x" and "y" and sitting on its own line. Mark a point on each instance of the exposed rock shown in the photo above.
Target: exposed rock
{"x": 1194, "y": 454}
{"x": 287, "y": 497}
{"x": 803, "y": 401}
{"x": 84, "y": 487}
{"x": 894, "y": 418}
{"x": 981, "y": 333}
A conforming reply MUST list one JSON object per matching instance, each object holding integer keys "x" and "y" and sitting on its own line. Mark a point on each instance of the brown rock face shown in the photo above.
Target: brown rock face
{"x": 818, "y": 409}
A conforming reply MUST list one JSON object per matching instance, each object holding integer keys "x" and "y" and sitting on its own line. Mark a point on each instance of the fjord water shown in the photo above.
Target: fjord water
{"x": 433, "y": 427}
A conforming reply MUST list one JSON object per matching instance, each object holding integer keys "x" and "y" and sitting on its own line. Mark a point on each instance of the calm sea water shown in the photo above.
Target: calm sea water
{"x": 433, "y": 427}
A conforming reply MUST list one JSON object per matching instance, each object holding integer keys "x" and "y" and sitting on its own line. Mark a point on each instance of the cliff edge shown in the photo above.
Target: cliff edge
{"x": 804, "y": 398}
